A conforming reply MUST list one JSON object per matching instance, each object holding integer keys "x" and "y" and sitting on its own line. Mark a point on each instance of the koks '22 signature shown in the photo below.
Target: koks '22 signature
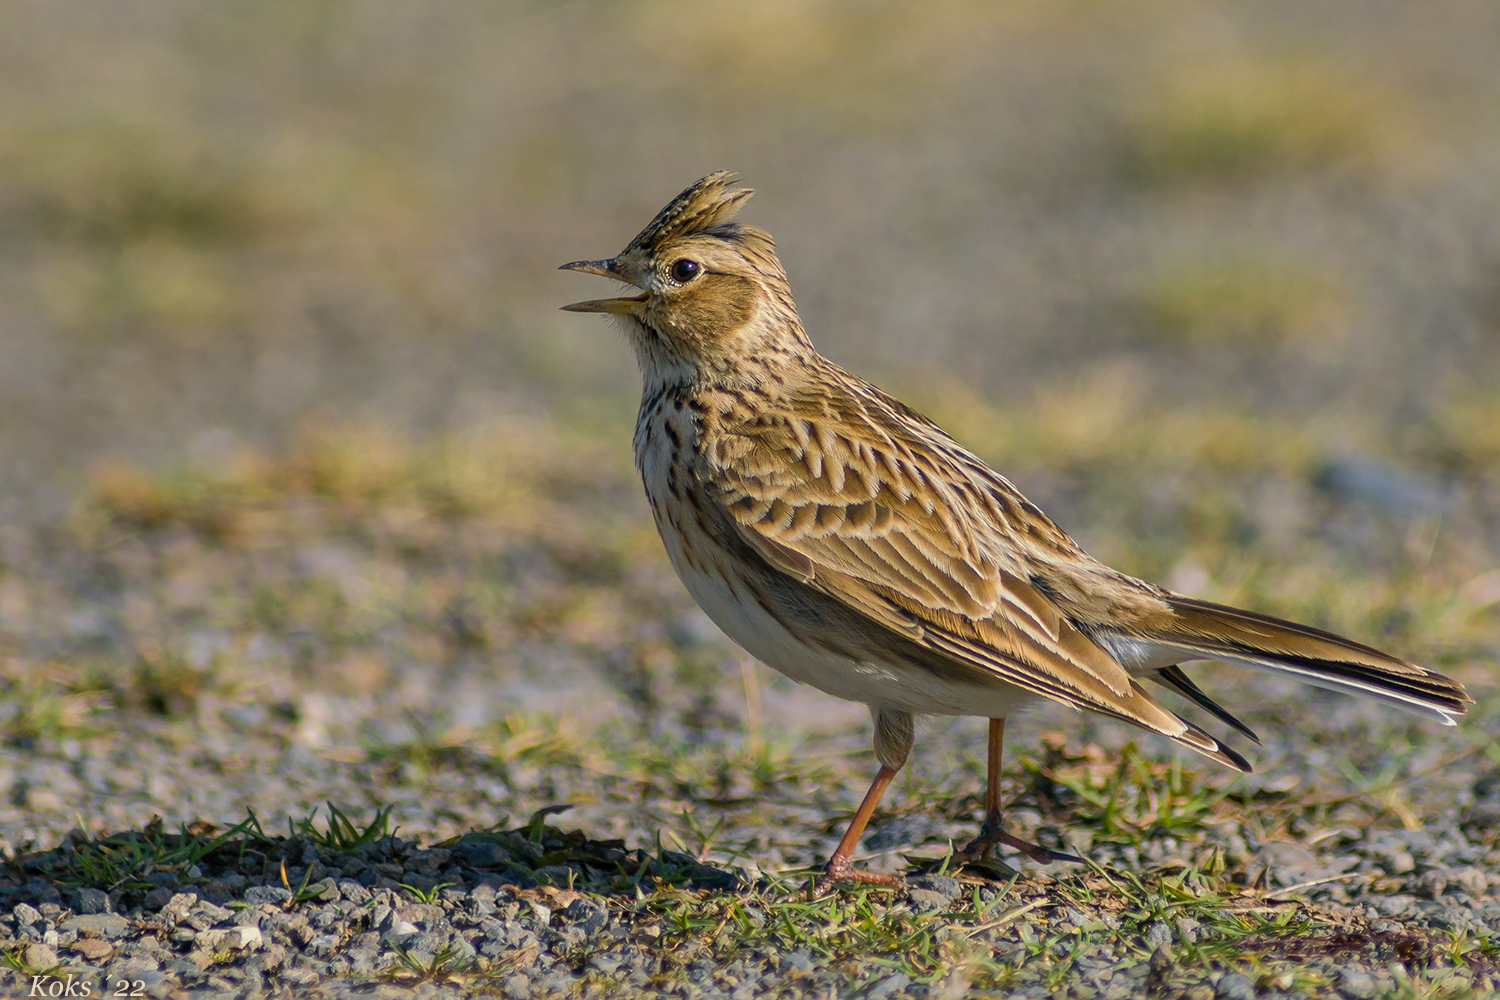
{"x": 72, "y": 986}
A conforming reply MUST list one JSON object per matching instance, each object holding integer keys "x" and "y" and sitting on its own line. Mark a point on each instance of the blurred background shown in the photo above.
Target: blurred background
{"x": 225, "y": 222}
{"x": 291, "y": 427}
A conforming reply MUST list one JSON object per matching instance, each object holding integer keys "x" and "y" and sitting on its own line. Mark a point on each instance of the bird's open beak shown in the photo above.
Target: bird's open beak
{"x": 622, "y": 307}
{"x": 626, "y": 306}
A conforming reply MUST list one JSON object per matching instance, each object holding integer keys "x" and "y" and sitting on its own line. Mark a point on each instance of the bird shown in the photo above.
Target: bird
{"x": 847, "y": 541}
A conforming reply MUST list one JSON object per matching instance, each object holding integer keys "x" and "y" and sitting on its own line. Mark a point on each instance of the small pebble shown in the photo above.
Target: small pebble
{"x": 888, "y": 985}
{"x": 1234, "y": 986}
{"x": 40, "y": 957}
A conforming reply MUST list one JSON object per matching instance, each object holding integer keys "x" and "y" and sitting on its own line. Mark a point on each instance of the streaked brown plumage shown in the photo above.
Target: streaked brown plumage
{"x": 845, "y": 540}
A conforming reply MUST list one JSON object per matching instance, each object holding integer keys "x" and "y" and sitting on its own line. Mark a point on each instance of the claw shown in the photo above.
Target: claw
{"x": 841, "y": 869}
{"x": 990, "y": 834}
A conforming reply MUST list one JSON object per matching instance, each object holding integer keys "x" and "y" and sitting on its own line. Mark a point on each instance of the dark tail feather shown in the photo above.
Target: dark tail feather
{"x": 1175, "y": 678}
{"x": 1197, "y": 739}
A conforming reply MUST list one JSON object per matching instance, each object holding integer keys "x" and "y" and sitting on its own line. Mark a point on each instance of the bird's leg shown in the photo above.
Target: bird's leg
{"x": 839, "y": 866}
{"x": 991, "y": 832}
{"x": 894, "y": 732}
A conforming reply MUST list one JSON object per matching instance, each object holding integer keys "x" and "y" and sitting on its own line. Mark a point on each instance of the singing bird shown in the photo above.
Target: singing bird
{"x": 845, "y": 540}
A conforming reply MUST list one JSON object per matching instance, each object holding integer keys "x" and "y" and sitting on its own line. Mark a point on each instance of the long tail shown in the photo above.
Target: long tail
{"x": 1206, "y": 631}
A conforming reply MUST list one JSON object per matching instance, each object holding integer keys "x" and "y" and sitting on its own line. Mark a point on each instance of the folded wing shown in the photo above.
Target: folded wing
{"x": 905, "y": 535}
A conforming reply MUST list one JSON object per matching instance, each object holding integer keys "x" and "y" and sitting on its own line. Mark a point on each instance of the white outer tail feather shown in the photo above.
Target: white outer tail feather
{"x": 1316, "y": 678}
{"x": 1141, "y": 656}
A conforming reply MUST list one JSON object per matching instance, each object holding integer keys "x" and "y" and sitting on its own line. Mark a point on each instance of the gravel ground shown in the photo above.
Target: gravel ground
{"x": 539, "y": 911}
{"x": 442, "y": 641}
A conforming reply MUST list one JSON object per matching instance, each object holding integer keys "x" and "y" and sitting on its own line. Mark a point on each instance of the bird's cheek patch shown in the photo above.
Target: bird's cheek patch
{"x": 720, "y": 305}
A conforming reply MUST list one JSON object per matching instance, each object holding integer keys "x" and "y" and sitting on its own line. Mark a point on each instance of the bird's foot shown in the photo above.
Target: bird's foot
{"x": 842, "y": 870}
{"x": 991, "y": 834}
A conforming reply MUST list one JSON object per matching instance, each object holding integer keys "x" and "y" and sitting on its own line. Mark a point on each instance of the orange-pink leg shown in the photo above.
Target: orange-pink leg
{"x": 839, "y": 866}
{"x": 991, "y": 833}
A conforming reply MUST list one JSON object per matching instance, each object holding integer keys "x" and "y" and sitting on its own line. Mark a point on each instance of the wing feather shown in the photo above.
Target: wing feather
{"x": 882, "y": 527}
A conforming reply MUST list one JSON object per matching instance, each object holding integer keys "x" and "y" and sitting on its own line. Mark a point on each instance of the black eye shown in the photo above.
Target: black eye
{"x": 685, "y": 270}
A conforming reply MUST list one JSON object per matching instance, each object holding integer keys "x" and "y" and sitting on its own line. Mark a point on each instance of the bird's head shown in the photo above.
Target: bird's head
{"x": 711, "y": 291}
